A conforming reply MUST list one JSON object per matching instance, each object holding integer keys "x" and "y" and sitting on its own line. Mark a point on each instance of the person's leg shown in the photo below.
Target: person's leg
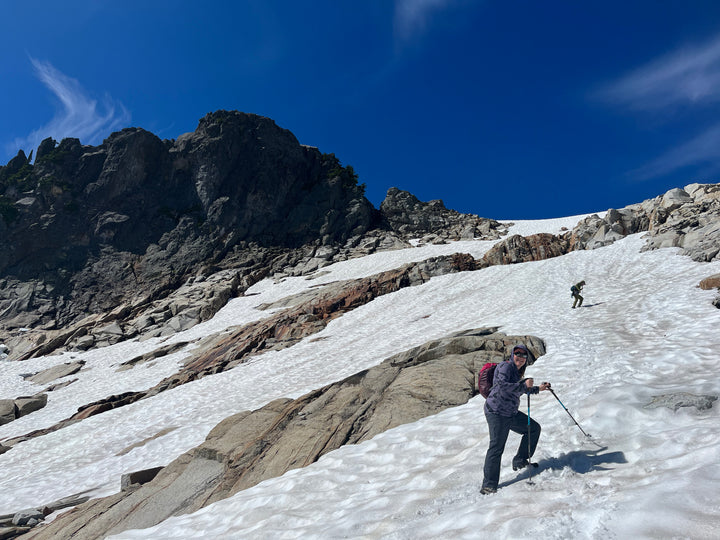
{"x": 581, "y": 299}
{"x": 499, "y": 429}
{"x": 519, "y": 424}
{"x": 575, "y": 299}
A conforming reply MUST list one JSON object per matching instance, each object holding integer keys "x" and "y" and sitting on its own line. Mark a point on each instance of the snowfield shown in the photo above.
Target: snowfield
{"x": 646, "y": 329}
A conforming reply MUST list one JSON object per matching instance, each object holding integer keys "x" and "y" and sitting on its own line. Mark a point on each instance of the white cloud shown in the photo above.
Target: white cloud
{"x": 411, "y": 16}
{"x": 79, "y": 115}
{"x": 689, "y": 76}
{"x": 703, "y": 149}
{"x": 686, "y": 80}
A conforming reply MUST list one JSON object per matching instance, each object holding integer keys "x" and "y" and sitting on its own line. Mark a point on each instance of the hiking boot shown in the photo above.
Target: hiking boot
{"x": 519, "y": 464}
{"x": 488, "y": 490}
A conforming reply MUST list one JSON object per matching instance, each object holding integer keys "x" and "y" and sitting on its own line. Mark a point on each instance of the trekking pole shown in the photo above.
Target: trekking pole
{"x": 564, "y": 407}
{"x": 530, "y": 467}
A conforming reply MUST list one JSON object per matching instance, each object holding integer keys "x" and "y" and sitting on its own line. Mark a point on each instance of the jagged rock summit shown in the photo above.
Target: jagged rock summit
{"x": 237, "y": 177}
{"x": 431, "y": 221}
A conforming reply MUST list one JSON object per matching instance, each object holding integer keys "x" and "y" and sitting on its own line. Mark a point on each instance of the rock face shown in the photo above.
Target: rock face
{"x": 252, "y": 446}
{"x": 237, "y": 177}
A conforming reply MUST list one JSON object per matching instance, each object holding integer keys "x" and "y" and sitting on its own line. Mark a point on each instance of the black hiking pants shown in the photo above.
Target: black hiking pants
{"x": 500, "y": 427}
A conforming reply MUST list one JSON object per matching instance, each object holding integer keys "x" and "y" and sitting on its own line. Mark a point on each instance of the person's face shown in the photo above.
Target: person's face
{"x": 519, "y": 357}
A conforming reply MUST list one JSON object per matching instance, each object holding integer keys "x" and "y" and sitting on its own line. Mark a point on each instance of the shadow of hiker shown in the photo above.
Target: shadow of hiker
{"x": 592, "y": 305}
{"x": 580, "y": 461}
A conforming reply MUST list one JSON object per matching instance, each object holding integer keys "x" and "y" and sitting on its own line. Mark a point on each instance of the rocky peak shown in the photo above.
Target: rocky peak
{"x": 403, "y": 213}
{"x": 16, "y": 163}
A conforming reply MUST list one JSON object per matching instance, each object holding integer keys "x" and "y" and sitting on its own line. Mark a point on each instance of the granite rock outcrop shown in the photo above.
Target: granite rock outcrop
{"x": 431, "y": 222}
{"x": 686, "y": 218}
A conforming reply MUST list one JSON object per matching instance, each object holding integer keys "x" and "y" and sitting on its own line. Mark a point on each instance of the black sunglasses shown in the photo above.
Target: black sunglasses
{"x": 521, "y": 354}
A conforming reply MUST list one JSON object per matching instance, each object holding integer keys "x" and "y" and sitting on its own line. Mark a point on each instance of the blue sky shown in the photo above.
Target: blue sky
{"x": 521, "y": 109}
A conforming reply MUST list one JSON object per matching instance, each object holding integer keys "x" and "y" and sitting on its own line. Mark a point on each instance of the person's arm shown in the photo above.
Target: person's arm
{"x": 529, "y": 388}
{"x": 535, "y": 389}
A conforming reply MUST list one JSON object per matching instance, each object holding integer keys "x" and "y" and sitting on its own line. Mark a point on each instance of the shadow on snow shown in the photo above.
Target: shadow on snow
{"x": 580, "y": 461}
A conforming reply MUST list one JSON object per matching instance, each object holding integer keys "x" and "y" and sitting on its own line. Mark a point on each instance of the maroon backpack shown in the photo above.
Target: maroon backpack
{"x": 485, "y": 379}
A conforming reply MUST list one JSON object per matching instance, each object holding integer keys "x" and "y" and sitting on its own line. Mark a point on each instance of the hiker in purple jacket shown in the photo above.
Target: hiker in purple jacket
{"x": 503, "y": 416}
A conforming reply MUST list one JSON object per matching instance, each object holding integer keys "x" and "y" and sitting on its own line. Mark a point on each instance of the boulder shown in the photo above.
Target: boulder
{"x": 518, "y": 249}
{"x": 683, "y": 399}
{"x": 84, "y": 343}
{"x": 8, "y": 411}
{"x": 28, "y": 518}
{"x": 703, "y": 193}
{"x": 26, "y": 405}
{"x": 711, "y": 282}
{"x": 674, "y": 199}
{"x": 56, "y": 372}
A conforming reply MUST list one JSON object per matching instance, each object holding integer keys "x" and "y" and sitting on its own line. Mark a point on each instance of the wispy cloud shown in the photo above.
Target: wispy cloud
{"x": 704, "y": 149}
{"x": 689, "y": 76}
{"x": 411, "y": 16}
{"x": 79, "y": 115}
{"x": 674, "y": 86}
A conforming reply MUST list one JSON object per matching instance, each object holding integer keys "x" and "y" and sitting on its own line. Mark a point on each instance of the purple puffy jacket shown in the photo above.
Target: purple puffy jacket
{"x": 508, "y": 386}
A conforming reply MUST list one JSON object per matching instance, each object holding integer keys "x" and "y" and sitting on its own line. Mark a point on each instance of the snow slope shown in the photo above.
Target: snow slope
{"x": 646, "y": 473}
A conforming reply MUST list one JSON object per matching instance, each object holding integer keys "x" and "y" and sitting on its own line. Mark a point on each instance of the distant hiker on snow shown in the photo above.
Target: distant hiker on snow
{"x": 575, "y": 291}
{"x": 503, "y": 416}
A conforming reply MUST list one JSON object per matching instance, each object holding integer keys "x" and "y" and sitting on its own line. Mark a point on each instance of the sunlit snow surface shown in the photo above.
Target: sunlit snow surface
{"x": 647, "y": 330}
